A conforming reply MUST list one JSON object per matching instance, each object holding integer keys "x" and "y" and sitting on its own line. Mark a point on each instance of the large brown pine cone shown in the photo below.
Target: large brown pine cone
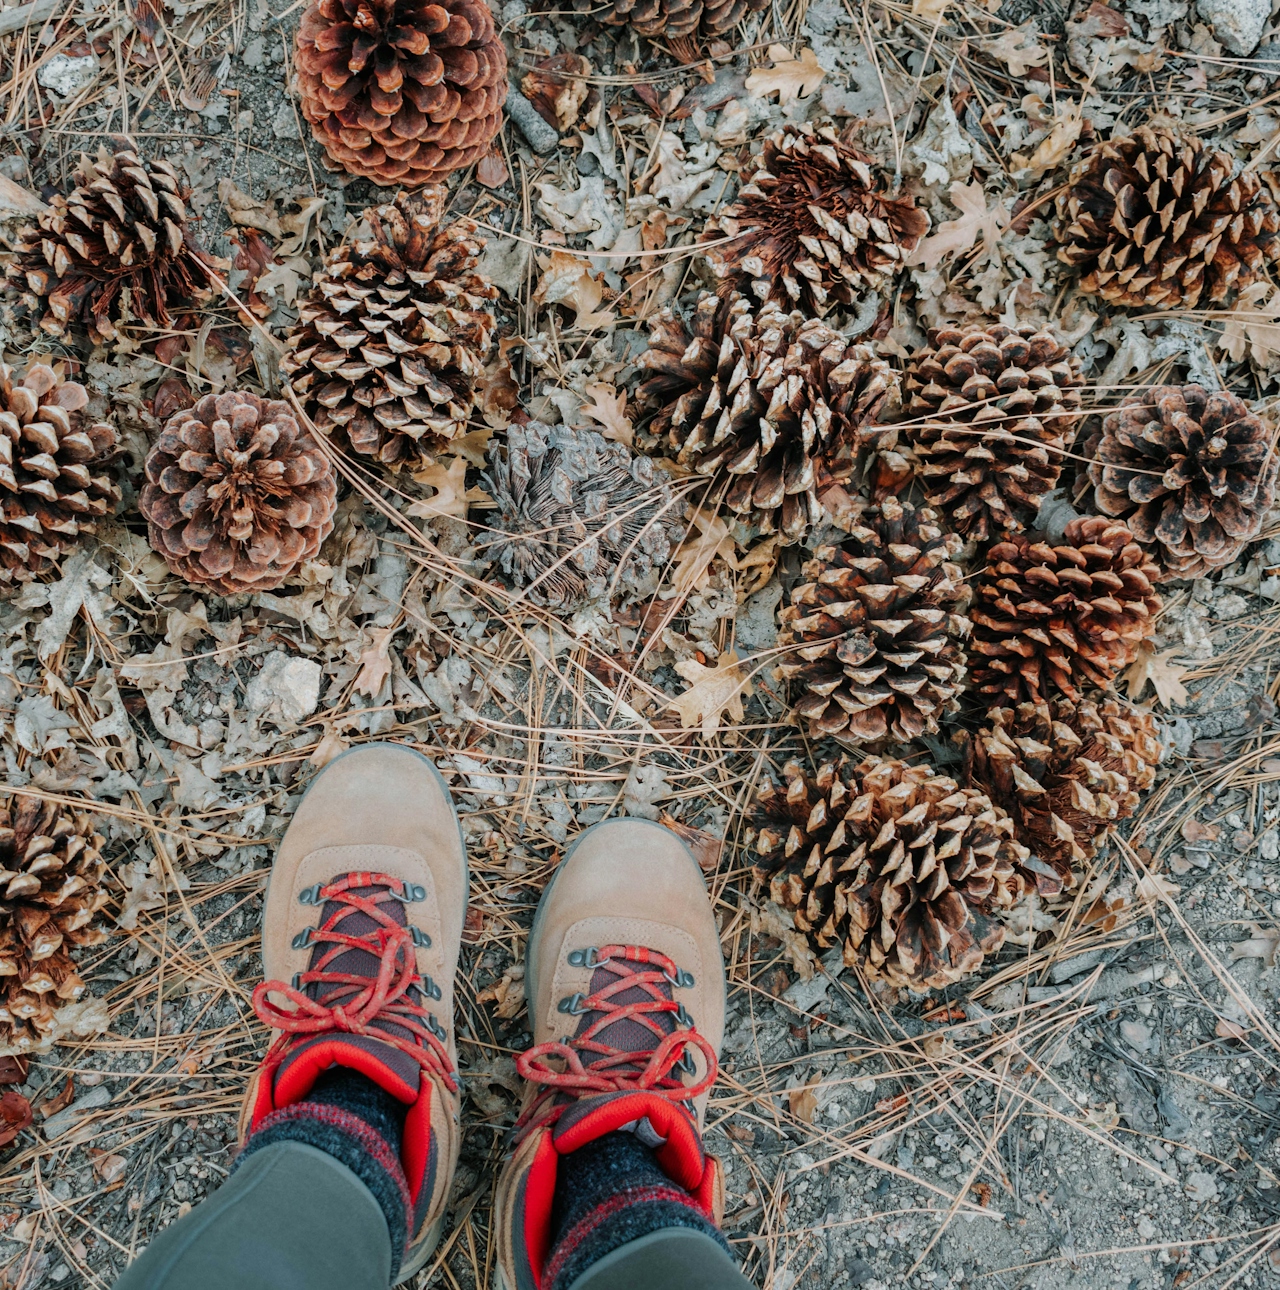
{"x": 876, "y": 622}
{"x": 813, "y": 225}
{"x": 53, "y": 482}
{"x": 237, "y": 493}
{"x": 1051, "y": 620}
{"x": 899, "y": 865}
{"x": 772, "y": 399}
{"x": 393, "y": 338}
{"x": 1065, "y": 772}
{"x": 1161, "y": 220}
{"x": 402, "y": 91}
{"x": 51, "y": 869}
{"x": 672, "y": 18}
{"x": 987, "y": 413}
{"x": 117, "y": 248}
{"x": 1192, "y": 474}
{"x": 578, "y": 518}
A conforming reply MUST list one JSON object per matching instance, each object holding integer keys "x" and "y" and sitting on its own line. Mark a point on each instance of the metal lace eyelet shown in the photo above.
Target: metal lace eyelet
{"x": 420, "y": 938}
{"x": 686, "y": 1063}
{"x": 297, "y": 981}
{"x": 584, "y": 958}
{"x": 436, "y": 1028}
{"x": 412, "y": 893}
{"x": 310, "y": 895}
{"x": 683, "y": 1016}
{"x": 303, "y": 939}
{"x": 572, "y": 1004}
{"x": 682, "y": 979}
{"x": 430, "y": 989}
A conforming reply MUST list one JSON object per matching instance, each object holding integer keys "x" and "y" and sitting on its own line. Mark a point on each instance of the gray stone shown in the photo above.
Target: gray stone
{"x": 1237, "y": 24}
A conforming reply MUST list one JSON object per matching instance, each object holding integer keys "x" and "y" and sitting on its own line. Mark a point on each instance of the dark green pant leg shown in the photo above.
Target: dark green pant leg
{"x": 676, "y": 1258}
{"x": 290, "y": 1218}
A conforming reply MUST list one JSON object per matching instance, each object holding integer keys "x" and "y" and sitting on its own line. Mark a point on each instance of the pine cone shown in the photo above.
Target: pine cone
{"x": 579, "y": 518}
{"x": 1192, "y": 474}
{"x": 1159, "y": 220}
{"x": 117, "y": 248}
{"x": 393, "y": 338}
{"x": 1056, "y": 618}
{"x": 987, "y": 412}
{"x": 237, "y": 494}
{"x": 1065, "y": 772}
{"x": 52, "y": 480}
{"x": 672, "y": 18}
{"x": 812, "y": 225}
{"x": 402, "y": 91}
{"x": 876, "y": 621}
{"x": 770, "y": 398}
{"x": 51, "y": 866}
{"x": 898, "y": 864}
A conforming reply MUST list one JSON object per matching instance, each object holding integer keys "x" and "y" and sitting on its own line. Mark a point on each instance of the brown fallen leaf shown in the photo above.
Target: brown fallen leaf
{"x": 567, "y": 280}
{"x": 956, "y": 236}
{"x": 13, "y": 1070}
{"x": 803, "y": 1102}
{"x": 609, "y": 408}
{"x": 557, "y": 88}
{"x": 108, "y": 1165}
{"x": 1164, "y": 675}
{"x": 694, "y": 558}
{"x": 706, "y": 847}
{"x": 15, "y": 1115}
{"x": 1263, "y": 944}
{"x": 507, "y": 993}
{"x": 172, "y": 395}
{"x": 1196, "y": 831}
{"x": 741, "y": 1133}
{"x": 451, "y": 498}
{"x": 1153, "y": 888}
{"x": 1229, "y": 1030}
{"x": 714, "y": 692}
{"x": 492, "y": 170}
{"x": 57, "y": 1101}
{"x": 375, "y": 661}
{"x": 789, "y": 78}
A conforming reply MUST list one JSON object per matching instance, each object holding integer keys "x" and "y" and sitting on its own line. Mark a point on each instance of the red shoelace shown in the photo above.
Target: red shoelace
{"x": 608, "y": 1069}
{"x": 355, "y": 1003}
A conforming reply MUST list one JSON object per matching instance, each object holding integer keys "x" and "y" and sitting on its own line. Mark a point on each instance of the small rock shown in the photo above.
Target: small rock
{"x": 1146, "y": 1228}
{"x": 1136, "y": 1035}
{"x": 284, "y": 125}
{"x": 253, "y": 54}
{"x": 66, "y": 75}
{"x": 1201, "y": 1187}
{"x": 1237, "y": 24}
{"x": 290, "y": 686}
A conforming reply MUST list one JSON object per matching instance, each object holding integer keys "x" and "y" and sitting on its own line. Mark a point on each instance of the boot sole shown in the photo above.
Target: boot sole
{"x": 417, "y": 1259}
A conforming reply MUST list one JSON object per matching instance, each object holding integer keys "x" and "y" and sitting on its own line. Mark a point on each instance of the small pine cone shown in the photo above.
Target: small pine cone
{"x": 1159, "y": 220}
{"x": 899, "y": 865}
{"x": 672, "y": 19}
{"x": 1192, "y": 474}
{"x": 118, "y": 247}
{"x": 402, "y": 91}
{"x": 579, "y": 518}
{"x": 1065, "y": 772}
{"x": 1052, "y": 619}
{"x": 237, "y": 494}
{"x": 876, "y": 622}
{"x": 988, "y": 412}
{"x": 51, "y": 872}
{"x": 52, "y": 481}
{"x": 393, "y": 338}
{"x": 813, "y": 225}
{"x": 772, "y": 399}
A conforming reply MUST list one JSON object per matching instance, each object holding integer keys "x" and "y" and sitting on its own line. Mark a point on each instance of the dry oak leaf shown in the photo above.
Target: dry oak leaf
{"x": 1052, "y": 150}
{"x": 789, "y": 78}
{"x": 706, "y": 847}
{"x": 956, "y": 236}
{"x": 714, "y": 692}
{"x": 248, "y": 211}
{"x": 1263, "y": 943}
{"x": 1153, "y": 888}
{"x": 1253, "y": 326}
{"x": 1164, "y": 674}
{"x": 1196, "y": 832}
{"x": 567, "y": 280}
{"x": 932, "y": 10}
{"x": 451, "y": 497}
{"x": 696, "y": 554}
{"x": 803, "y": 1102}
{"x": 508, "y": 994}
{"x": 609, "y": 408}
{"x": 375, "y": 661}
{"x": 1017, "y": 56}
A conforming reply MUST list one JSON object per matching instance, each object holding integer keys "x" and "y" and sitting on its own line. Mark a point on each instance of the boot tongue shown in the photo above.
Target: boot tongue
{"x": 627, "y": 1034}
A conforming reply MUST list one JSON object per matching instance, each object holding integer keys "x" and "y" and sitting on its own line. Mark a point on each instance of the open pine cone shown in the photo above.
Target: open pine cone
{"x": 53, "y": 484}
{"x": 899, "y": 865}
{"x": 1193, "y": 474}
{"x": 672, "y": 18}
{"x": 1051, "y": 620}
{"x": 393, "y": 338}
{"x": 1065, "y": 772}
{"x": 237, "y": 493}
{"x": 402, "y": 91}
{"x": 987, "y": 413}
{"x": 1159, "y": 220}
{"x": 51, "y": 869}
{"x": 877, "y": 626}
{"x": 813, "y": 225}
{"x": 117, "y": 248}
{"x": 773, "y": 400}
{"x": 579, "y": 518}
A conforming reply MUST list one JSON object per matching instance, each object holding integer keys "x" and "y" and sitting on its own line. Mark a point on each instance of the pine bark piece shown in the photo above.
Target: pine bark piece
{"x": 579, "y": 518}
{"x": 876, "y": 623}
{"x": 54, "y": 484}
{"x": 237, "y": 493}
{"x": 402, "y": 91}
{"x": 1192, "y": 473}
{"x": 987, "y": 414}
{"x": 900, "y": 866}
{"x": 1065, "y": 773}
{"x": 771, "y": 399}
{"x": 1058, "y": 620}
{"x": 392, "y": 340}
{"x": 813, "y": 225}
{"x": 1160, "y": 220}
{"x": 51, "y": 872}
{"x": 118, "y": 247}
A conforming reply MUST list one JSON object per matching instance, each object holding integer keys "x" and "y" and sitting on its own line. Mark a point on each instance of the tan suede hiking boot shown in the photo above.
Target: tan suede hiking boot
{"x": 625, "y": 986}
{"x": 360, "y": 941}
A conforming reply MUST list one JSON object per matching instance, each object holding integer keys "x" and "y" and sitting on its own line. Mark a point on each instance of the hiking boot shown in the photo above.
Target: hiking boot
{"x": 360, "y": 940}
{"x": 625, "y": 986}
